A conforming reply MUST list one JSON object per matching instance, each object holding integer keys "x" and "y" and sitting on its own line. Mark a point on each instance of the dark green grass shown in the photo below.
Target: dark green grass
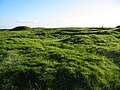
{"x": 60, "y": 59}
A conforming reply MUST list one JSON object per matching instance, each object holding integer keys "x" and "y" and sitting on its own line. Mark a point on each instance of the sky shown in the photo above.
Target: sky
{"x": 59, "y": 13}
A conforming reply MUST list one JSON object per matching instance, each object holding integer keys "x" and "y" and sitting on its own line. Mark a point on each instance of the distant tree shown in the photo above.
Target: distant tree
{"x": 21, "y": 28}
{"x": 118, "y": 26}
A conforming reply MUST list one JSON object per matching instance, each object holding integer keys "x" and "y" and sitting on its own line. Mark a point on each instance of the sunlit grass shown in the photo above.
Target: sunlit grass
{"x": 60, "y": 59}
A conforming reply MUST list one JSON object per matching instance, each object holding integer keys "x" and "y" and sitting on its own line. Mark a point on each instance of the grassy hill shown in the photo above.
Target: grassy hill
{"x": 60, "y": 59}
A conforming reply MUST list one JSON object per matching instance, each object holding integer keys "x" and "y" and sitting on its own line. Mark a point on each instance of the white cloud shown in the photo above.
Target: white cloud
{"x": 27, "y": 21}
{"x": 6, "y": 19}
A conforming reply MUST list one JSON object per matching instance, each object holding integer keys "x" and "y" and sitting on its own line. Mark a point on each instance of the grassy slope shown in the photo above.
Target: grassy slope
{"x": 60, "y": 59}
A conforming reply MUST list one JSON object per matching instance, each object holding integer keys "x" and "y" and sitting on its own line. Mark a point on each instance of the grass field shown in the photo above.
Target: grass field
{"x": 60, "y": 59}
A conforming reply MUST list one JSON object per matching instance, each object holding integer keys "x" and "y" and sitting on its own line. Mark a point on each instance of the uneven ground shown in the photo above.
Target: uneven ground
{"x": 60, "y": 59}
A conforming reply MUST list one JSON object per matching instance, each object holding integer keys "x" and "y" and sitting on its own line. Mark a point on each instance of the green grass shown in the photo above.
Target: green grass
{"x": 60, "y": 59}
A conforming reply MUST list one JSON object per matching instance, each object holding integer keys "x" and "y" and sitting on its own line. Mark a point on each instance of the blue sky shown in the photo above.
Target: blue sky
{"x": 59, "y": 13}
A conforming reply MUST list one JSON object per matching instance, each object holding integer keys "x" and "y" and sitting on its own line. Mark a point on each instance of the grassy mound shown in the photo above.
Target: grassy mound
{"x": 18, "y": 28}
{"x": 60, "y": 59}
{"x": 118, "y": 26}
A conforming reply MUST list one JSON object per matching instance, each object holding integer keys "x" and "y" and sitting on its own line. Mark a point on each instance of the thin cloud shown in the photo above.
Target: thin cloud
{"x": 6, "y": 19}
{"x": 27, "y": 21}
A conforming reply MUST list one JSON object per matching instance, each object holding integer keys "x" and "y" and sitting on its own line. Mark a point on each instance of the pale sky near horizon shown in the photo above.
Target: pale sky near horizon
{"x": 59, "y": 13}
